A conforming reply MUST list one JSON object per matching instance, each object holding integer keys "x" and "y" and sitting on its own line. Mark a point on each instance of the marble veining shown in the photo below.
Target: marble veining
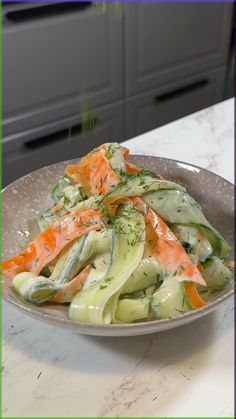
{"x": 180, "y": 372}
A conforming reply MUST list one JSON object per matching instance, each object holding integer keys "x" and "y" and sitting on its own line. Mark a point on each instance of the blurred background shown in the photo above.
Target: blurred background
{"x": 76, "y": 75}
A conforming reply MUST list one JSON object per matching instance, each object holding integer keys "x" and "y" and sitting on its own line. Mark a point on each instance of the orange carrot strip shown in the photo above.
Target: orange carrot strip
{"x": 95, "y": 173}
{"x": 132, "y": 169}
{"x": 76, "y": 172}
{"x": 45, "y": 247}
{"x": 125, "y": 152}
{"x": 167, "y": 249}
{"x": 113, "y": 209}
{"x": 72, "y": 287}
{"x": 194, "y": 298}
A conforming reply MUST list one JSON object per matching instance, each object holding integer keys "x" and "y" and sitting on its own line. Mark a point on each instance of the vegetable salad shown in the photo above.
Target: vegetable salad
{"x": 120, "y": 244}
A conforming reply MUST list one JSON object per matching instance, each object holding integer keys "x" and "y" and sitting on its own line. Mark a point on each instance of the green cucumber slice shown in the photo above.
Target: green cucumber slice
{"x": 216, "y": 274}
{"x": 73, "y": 194}
{"x": 170, "y": 300}
{"x": 115, "y": 156}
{"x": 100, "y": 266}
{"x": 137, "y": 185}
{"x": 147, "y": 273}
{"x": 129, "y": 310}
{"x": 57, "y": 191}
{"x": 97, "y": 304}
{"x": 188, "y": 236}
{"x": 49, "y": 217}
{"x": 205, "y": 250}
{"x": 93, "y": 202}
{"x": 74, "y": 257}
{"x": 177, "y": 207}
{"x": 35, "y": 289}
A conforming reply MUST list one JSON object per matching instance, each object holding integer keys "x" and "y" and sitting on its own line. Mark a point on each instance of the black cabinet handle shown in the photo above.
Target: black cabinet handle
{"x": 164, "y": 97}
{"x": 56, "y": 137}
{"x": 46, "y": 10}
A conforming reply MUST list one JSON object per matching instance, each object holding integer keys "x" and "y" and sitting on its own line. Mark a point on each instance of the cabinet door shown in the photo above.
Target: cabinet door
{"x": 168, "y": 41}
{"x": 160, "y": 106}
{"x": 59, "y": 141}
{"x": 54, "y": 62}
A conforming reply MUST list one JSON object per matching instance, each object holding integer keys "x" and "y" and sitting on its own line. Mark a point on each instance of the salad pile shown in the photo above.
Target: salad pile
{"x": 120, "y": 245}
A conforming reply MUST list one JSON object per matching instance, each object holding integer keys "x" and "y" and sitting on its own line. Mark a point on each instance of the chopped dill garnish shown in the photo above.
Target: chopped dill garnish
{"x": 109, "y": 279}
{"x": 36, "y": 261}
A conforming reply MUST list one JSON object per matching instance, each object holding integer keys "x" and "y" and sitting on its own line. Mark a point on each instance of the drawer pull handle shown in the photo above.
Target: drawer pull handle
{"x": 181, "y": 91}
{"x": 55, "y": 137}
{"x": 45, "y": 11}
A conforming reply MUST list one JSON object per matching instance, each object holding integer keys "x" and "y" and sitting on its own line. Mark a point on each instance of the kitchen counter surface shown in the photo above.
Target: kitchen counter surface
{"x": 186, "y": 371}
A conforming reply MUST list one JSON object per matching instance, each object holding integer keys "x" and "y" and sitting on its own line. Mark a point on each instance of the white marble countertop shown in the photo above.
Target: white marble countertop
{"x": 182, "y": 372}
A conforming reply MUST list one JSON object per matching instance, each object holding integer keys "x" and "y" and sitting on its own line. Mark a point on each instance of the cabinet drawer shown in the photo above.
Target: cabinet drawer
{"x": 50, "y": 64}
{"x": 169, "y": 41}
{"x": 160, "y": 106}
{"x": 59, "y": 141}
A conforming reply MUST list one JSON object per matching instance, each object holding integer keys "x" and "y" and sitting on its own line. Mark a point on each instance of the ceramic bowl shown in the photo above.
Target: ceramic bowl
{"x": 27, "y": 197}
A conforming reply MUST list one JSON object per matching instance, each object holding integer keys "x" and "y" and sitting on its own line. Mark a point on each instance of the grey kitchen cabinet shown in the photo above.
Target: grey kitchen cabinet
{"x": 155, "y": 63}
{"x": 168, "y": 41}
{"x": 160, "y": 106}
{"x": 53, "y": 64}
{"x": 58, "y": 141}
